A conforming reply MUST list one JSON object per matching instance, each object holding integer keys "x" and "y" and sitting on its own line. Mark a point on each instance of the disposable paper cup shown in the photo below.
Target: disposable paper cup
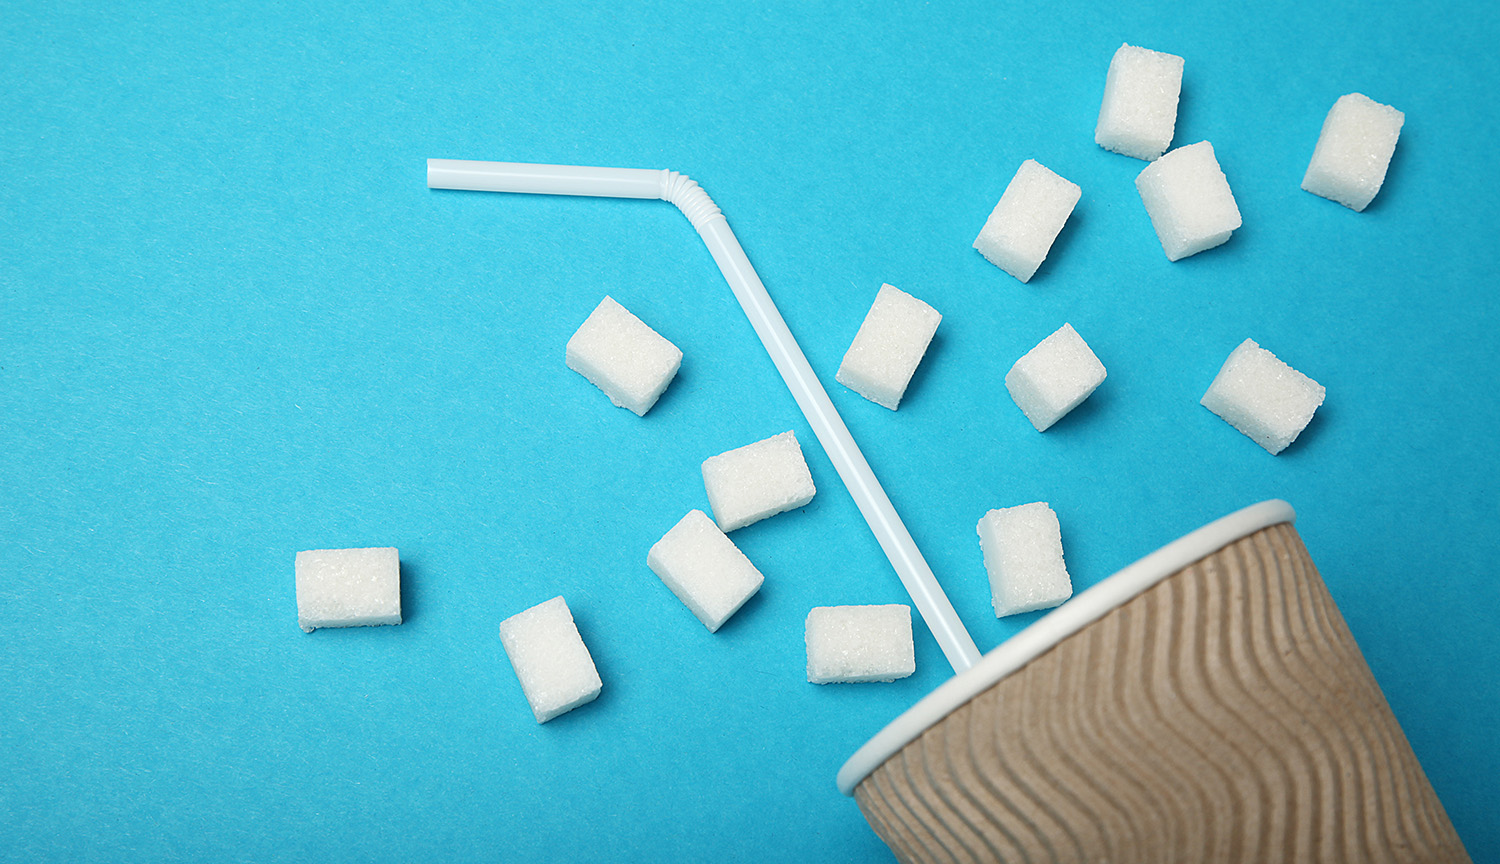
{"x": 1205, "y": 704}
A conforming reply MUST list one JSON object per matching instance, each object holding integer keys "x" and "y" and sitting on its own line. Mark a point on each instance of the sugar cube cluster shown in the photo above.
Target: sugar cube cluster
{"x": 1187, "y": 197}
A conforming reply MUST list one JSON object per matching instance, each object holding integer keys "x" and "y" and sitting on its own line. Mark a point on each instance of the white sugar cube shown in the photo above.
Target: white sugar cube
{"x": 1030, "y": 215}
{"x": 348, "y": 588}
{"x": 1139, "y": 111}
{"x": 622, "y": 356}
{"x": 889, "y": 345}
{"x": 1023, "y": 554}
{"x": 1188, "y": 199}
{"x": 1054, "y": 377}
{"x": 1354, "y": 149}
{"x": 1263, "y": 397}
{"x": 749, "y": 483}
{"x": 850, "y": 644}
{"x": 707, "y": 572}
{"x": 549, "y": 657}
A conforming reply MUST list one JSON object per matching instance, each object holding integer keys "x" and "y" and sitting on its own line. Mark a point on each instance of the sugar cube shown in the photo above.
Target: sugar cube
{"x": 1139, "y": 111}
{"x": 1022, "y": 548}
{"x": 1353, "y": 151}
{"x": 622, "y": 356}
{"x": 1030, "y": 215}
{"x": 1188, "y": 199}
{"x": 749, "y": 483}
{"x": 348, "y": 588}
{"x": 849, "y": 644}
{"x": 889, "y": 345}
{"x": 1263, "y": 397}
{"x": 550, "y": 660}
{"x": 703, "y": 567}
{"x": 1054, "y": 377}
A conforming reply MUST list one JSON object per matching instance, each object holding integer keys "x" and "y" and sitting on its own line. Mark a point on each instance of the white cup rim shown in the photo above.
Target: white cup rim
{"x": 1069, "y": 618}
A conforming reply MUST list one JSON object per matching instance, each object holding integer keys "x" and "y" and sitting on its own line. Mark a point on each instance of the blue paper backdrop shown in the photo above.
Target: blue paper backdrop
{"x": 234, "y": 323}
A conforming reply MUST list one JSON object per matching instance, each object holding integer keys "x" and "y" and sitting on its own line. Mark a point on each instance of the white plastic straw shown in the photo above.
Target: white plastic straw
{"x": 704, "y": 215}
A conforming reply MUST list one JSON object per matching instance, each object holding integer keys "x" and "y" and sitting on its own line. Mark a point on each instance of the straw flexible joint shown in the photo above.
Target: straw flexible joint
{"x": 684, "y": 192}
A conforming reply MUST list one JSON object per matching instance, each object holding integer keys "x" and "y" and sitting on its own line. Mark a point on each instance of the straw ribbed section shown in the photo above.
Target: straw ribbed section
{"x": 1224, "y": 715}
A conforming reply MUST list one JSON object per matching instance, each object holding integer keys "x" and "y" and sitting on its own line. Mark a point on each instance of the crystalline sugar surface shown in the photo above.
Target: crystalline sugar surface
{"x": 849, "y": 644}
{"x": 1023, "y": 554}
{"x": 556, "y": 672}
{"x": 704, "y": 568}
{"x": 1354, "y": 151}
{"x": 889, "y": 345}
{"x": 1054, "y": 377}
{"x": 348, "y": 588}
{"x": 622, "y": 356}
{"x": 1188, "y": 198}
{"x": 1263, "y": 397}
{"x": 1139, "y": 111}
{"x": 1031, "y": 213}
{"x": 749, "y": 483}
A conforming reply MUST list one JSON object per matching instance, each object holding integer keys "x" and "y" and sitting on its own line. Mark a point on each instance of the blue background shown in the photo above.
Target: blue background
{"x": 234, "y": 324}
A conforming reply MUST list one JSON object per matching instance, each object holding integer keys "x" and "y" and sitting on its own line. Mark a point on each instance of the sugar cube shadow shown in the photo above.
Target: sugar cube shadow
{"x": 1080, "y": 419}
{"x": 914, "y": 388}
{"x": 740, "y": 614}
{"x": 1238, "y": 247}
{"x": 681, "y": 381}
{"x": 1184, "y": 120}
{"x": 1309, "y": 436}
{"x": 410, "y": 574}
{"x": 1060, "y": 245}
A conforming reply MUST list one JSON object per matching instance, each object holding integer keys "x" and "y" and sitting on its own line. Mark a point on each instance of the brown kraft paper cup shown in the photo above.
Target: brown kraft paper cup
{"x": 1221, "y": 714}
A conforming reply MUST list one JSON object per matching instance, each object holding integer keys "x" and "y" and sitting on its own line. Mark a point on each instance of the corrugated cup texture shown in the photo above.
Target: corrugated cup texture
{"x": 1224, "y": 715}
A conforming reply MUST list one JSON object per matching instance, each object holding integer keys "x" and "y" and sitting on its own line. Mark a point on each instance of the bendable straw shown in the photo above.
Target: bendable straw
{"x": 704, "y": 215}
